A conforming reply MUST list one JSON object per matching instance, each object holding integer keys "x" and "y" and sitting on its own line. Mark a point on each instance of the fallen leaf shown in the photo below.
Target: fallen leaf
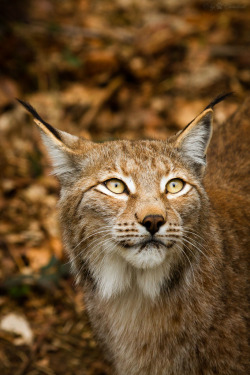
{"x": 19, "y": 325}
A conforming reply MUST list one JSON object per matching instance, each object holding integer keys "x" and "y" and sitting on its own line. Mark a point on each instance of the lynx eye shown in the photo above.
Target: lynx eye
{"x": 115, "y": 185}
{"x": 175, "y": 185}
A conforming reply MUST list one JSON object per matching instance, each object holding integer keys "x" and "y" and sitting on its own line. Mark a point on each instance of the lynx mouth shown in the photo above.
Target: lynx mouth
{"x": 147, "y": 254}
{"x": 157, "y": 244}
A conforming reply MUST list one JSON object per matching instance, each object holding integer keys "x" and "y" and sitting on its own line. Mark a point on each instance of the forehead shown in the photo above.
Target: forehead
{"x": 137, "y": 159}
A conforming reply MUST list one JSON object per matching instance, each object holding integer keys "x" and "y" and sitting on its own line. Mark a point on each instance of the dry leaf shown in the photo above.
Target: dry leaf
{"x": 19, "y": 325}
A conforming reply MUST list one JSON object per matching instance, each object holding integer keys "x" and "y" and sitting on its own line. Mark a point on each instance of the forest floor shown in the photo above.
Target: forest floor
{"x": 104, "y": 70}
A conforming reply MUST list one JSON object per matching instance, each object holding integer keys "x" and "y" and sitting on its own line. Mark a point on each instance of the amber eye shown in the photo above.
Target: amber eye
{"x": 175, "y": 185}
{"x": 116, "y": 186}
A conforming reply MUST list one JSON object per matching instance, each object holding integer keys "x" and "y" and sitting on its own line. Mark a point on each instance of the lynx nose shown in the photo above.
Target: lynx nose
{"x": 153, "y": 222}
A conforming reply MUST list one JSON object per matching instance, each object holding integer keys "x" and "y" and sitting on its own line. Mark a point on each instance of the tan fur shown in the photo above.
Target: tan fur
{"x": 178, "y": 306}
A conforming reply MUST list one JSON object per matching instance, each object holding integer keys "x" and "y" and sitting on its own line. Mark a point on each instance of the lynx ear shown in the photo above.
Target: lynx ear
{"x": 62, "y": 147}
{"x": 194, "y": 139}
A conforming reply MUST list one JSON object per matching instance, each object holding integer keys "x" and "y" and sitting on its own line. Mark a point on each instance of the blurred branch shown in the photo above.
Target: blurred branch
{"x": 35, "y": 349}
{"x": 228, "y": 51}
{"x": 118, "y": 34}
{"x": 93, "y": 112}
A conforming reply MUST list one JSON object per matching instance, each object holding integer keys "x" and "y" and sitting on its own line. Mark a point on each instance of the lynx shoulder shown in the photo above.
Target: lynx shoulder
{"x": 158, "y": 237}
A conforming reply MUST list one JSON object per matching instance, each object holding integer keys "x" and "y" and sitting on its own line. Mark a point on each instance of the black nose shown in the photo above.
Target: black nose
{"x": 153, "y": 222}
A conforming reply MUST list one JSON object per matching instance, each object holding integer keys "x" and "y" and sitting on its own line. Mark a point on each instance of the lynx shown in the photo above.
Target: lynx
{"x": 157, "y": 234}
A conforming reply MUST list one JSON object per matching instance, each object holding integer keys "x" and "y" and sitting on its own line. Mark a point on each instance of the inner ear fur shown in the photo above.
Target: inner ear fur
{"x": 194, "y": 139}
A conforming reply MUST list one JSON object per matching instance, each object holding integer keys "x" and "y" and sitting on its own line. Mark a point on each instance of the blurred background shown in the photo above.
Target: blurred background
{"x": 102, "y": 69}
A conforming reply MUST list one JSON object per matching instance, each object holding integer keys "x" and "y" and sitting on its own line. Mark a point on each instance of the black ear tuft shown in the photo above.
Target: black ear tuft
{"x": 38, "y": 117}
{"x": 218, "y": 99}
{"x": 215, "y": 101}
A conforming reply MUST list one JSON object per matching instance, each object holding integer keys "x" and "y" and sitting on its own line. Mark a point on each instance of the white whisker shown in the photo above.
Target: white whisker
{"x": 191, "y": 243}
{"x": 85, "y": 248}
{"x": 183, "y": 252}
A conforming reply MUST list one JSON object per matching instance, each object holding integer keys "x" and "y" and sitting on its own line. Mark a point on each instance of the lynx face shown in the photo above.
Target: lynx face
{"x": 129, "y": 210}
{"x": 134, "y": 205}
{"x": 137, "y": 218}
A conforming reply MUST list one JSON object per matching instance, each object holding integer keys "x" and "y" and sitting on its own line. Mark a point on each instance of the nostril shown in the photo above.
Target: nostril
{"x": 147, "y": 224}
{"x": 153, "y": 223}
{"x": 160, "y": 223}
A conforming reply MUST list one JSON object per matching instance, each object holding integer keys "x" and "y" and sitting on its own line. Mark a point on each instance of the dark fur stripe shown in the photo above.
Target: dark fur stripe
{"x": 38, "y": 117}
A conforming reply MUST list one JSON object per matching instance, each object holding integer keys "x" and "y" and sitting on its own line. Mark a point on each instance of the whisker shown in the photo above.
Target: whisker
{"x": 106, "y": 230}
{"x": 85, "y": 249}
{"x": 191, "y": 243}
{"x": 192, "y": 269}
{"x": 93, "y": 234}
{"x": 192, "y": 232}
{"x": 98, "y": 251}
{"x": 195, "y": 242}
{"x": 93, "y": 261}
{"x": 96, "y": 242}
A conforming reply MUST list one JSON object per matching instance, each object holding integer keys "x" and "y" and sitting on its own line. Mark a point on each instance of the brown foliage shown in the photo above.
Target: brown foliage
{"x": 103, "y": 70}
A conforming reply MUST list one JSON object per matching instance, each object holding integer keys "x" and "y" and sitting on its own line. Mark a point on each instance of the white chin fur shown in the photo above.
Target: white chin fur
{"x": 132, "y": 271}
{"x": 148, "y": 258}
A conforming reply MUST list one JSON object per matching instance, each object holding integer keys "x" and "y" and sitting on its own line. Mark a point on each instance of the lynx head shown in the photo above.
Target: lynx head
{"x": 130, "y": 210}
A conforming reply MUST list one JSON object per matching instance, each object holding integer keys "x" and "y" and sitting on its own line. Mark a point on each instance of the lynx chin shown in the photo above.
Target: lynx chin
{"x": 158, "y": 237}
